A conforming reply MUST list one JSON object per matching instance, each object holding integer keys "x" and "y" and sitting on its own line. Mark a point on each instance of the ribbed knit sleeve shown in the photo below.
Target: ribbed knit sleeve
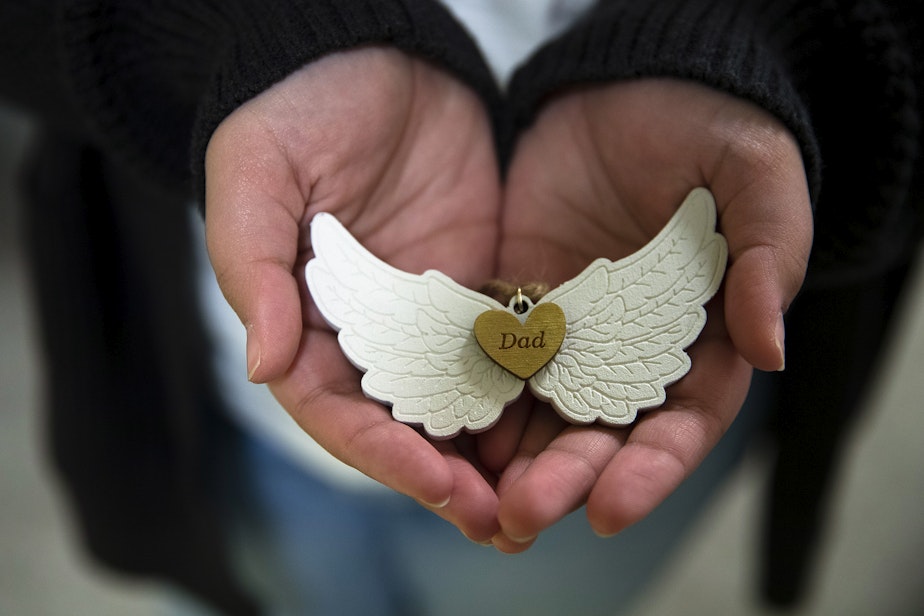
{"x": 836, "y": 73}
{"x": 720, "y": 43}
{"x": 156, "y": 77}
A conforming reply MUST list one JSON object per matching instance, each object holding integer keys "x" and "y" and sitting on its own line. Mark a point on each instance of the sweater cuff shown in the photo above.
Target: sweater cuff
{"x": 726, "y": 45}
{"x": 157, "y": 77}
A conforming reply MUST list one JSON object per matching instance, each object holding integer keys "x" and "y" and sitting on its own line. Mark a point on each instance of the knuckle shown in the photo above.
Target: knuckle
{"x": 765, "y": 147}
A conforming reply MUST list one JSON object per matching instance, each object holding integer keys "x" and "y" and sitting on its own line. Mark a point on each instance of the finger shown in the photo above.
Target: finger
{"x": 321, "y": 391}
{"x": 768, "y": 225}
{"x": 253, "y": 212}
{"x": 541, "y": 428}
{"x": 497, "y": 446}
{"x": 472, "y": 505}
{"x": 550, "y": 477}
{"x": 667, "y": 444}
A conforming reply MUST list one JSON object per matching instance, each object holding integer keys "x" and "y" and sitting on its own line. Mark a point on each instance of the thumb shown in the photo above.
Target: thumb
{"x": 253, "y": 243}
{"x": 769, "y": 231}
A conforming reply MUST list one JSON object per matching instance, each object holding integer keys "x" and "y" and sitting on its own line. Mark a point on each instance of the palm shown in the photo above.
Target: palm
{"x": 402, "y": 154}
{"x": 598, "y": 175}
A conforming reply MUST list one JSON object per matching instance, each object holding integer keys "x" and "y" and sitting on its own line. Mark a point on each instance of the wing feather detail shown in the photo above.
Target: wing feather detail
{"x": 411, "y": 335}
{"x": 629, "y": 321}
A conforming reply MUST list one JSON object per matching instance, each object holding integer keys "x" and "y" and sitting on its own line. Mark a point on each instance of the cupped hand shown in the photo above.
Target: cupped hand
{"x": 403, "y": 155}
{"x": 599, "y": 174}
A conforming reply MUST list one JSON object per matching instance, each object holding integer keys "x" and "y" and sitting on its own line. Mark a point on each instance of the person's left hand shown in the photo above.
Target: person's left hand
{"x": 598, "y": 175}
{"x": 402, "y": 153}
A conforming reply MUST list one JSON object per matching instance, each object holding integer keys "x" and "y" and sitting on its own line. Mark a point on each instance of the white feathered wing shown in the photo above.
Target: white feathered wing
{"x": 628, "y": 321}
{"x": 411, "y": 334}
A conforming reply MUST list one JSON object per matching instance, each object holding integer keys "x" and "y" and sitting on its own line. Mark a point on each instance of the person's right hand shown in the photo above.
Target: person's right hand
{"x": 403, "y": 155}
{"x": 598, "y": 174}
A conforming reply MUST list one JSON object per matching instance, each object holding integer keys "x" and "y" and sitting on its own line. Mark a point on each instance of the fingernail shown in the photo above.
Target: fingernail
{"x": 780, "y": 342}
{"x": 488, "y": 543}
{"x": 603, "y": 535}
{"x": 520, "y": 539}
{"x": 434, "y": 505}
{"x": 254, "y": 357}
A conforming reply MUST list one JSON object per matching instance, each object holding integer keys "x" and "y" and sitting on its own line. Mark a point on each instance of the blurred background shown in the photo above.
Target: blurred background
{"x": 872, "y": 560}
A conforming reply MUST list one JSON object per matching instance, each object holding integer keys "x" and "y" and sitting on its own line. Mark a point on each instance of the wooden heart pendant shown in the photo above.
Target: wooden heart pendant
{"x": 521, "y": 348}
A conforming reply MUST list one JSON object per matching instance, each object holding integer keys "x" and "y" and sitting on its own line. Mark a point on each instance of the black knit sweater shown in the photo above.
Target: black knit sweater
{"x": 152, "y": 79}
{"x": 143, "y": 84}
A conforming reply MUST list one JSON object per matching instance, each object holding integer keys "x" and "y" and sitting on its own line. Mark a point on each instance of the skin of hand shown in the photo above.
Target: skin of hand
{"x": 378, "y": 138}
{"x": 599, "y": 174}
{"x": 403, "y": 155}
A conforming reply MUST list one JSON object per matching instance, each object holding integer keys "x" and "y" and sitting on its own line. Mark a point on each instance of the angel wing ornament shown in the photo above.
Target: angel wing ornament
{"x": 600, "y": 347}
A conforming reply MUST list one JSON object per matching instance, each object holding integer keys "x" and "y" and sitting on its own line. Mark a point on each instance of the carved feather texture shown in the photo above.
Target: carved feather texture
{"x": 412, "y": 335}
{"x": 630, "y": 320}
{"x": 627, "y": 325}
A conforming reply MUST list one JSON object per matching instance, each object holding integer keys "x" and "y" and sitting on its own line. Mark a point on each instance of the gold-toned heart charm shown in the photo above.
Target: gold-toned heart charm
{"x": 521, "y": 348}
